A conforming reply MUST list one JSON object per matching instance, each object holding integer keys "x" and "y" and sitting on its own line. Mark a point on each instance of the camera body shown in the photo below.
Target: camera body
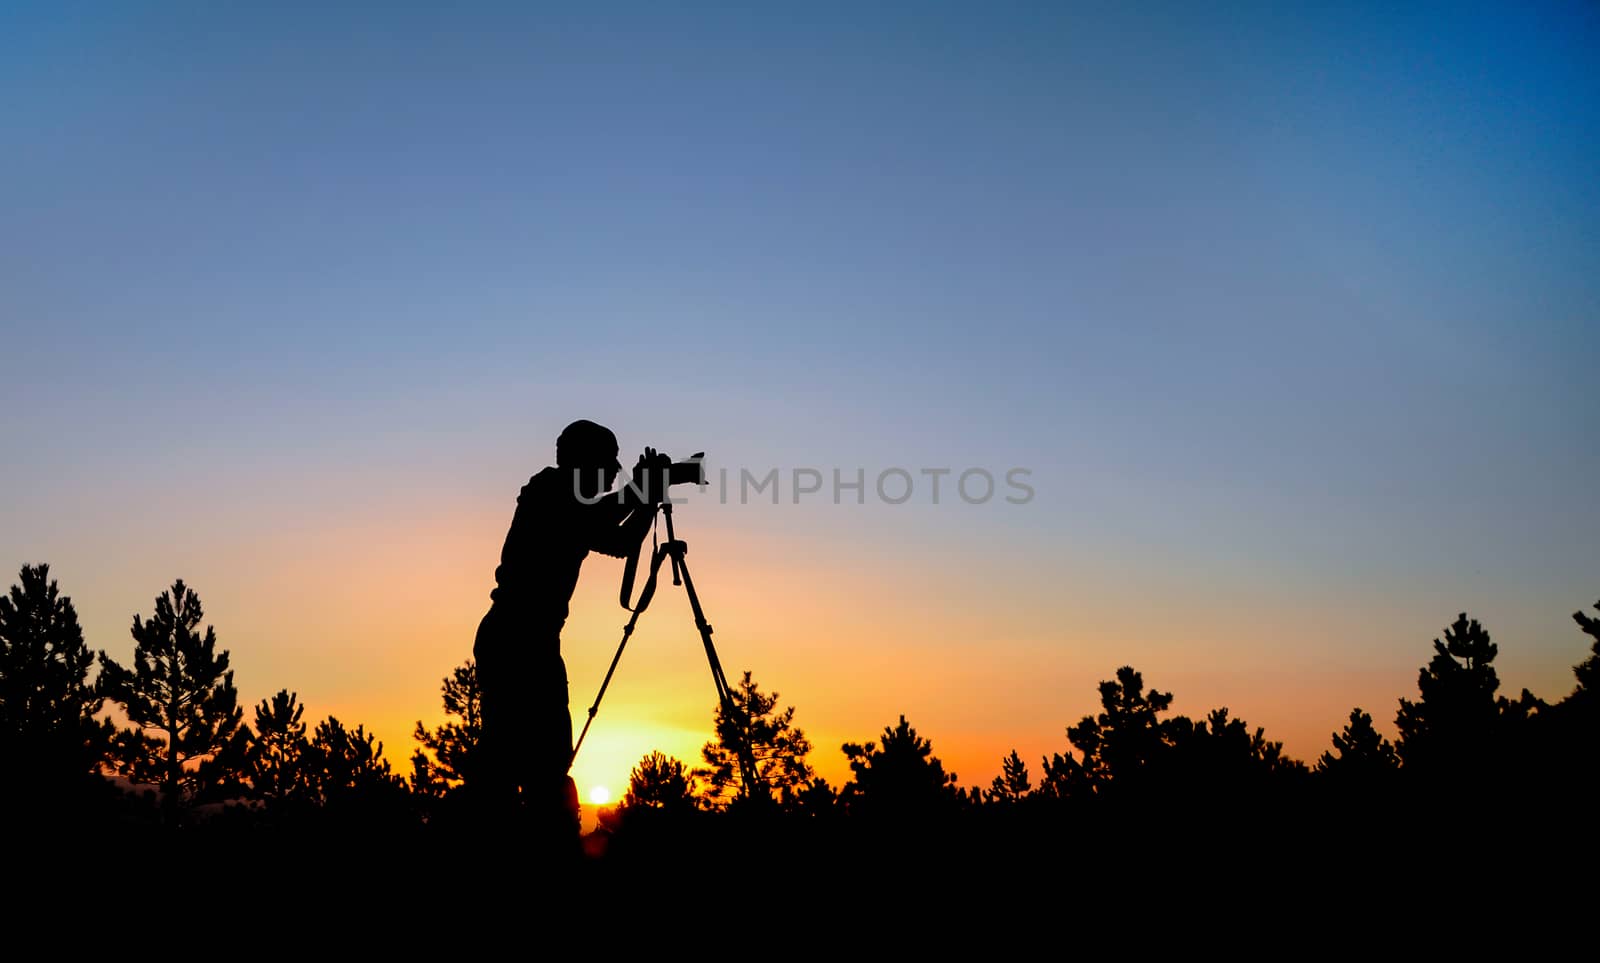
{"x": 690, "y": 472}
{"x": 654, "y": 475}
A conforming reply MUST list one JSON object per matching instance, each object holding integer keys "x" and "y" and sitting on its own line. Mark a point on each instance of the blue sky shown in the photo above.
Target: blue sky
{"x": 1283, "y": 308}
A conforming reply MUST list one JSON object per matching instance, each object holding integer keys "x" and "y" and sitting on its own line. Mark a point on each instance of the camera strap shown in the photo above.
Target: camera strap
{"x": 630, "y": 570}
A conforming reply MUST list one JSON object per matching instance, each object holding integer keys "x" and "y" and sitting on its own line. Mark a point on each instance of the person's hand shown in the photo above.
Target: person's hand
{"x": 650, "y": 475}
{"x": 653, "y": 460}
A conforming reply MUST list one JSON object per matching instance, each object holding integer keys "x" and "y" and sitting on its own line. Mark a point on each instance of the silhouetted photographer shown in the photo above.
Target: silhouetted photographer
{"x": 563, "y": 513}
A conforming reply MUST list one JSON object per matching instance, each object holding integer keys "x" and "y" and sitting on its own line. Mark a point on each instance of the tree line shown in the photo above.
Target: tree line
{"x": 189, "y": 754}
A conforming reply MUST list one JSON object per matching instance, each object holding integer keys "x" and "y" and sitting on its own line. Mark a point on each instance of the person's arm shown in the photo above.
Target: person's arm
{"x": 619, "y": 540}
{"x": 621, "y": 522}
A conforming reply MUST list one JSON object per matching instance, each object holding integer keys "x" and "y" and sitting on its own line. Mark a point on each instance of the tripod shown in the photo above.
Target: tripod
{"x": 674, "y": 549}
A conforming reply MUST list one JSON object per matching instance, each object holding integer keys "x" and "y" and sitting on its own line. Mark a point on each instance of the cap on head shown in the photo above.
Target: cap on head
{"x": 586, "y": 443}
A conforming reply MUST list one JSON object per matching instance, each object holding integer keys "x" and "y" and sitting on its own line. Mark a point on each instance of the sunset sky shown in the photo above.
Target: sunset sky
{"x": 1292, "y": 318}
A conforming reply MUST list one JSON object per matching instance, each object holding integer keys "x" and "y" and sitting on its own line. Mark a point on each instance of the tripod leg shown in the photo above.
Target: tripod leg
{"x": 730, "y": 709}
{"x": 645, "y": 596}
{"x": 627, "y": 631}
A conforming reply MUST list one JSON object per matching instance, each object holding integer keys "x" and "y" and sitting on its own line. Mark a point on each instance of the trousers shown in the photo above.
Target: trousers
{"x": 525, "y": 747}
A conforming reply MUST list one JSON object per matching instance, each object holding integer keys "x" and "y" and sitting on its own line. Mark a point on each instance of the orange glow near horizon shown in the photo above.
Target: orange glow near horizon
{"x": 364, "y": 620}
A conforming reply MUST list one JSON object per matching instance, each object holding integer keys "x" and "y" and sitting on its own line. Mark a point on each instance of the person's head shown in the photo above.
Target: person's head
{"x": 591, "y": 451}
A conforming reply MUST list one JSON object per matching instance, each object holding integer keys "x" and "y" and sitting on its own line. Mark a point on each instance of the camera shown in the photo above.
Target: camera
{"x": 691, "y": 472}
{"x": 656, "y": 472}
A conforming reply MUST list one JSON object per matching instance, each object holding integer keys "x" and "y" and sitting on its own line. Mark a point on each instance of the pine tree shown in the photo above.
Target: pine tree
{"x": 1063, "y": 777}
{"x": 816, "y": 799}
{"x": 179, "y": 696}
{"x": 659, "y": 782}
{"x": 1586, "y": 697}
{"x": 225, "y": 774}
{"x": 279, "y": 750}
{"x": 1012, "y": 784}
{"x": 1564, "y": 737}
{"x": 1457, "y": 715}
{"x": 48, "y": 731}
{"x": 777, "y": 747}
{"x": 1218, "y": 757}
{"x": 1124, "y": 742}
{"x": 426, "y": 783}
{"x": 1363, "y": 753}
{"x": 898, "y": 776}
{"x": 454, "y": 743}
{"x": 347, "y": 771}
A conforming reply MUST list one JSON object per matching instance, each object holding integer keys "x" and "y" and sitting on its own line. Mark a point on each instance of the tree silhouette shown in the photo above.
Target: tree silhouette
{"x": 777, "y": 747}
{"x": 1219, "y": 757}
{"x": 1586, "y": 697}
{"x": 179, "y": 696}
{"x": 816, "y": 799}
{"x": 426, "y": 782}
{"x": 1062, "y": 777}
{"x": 1364, "y": 755}
{"x": 659, "y": 782}
{"x": 1130, "y": 751}
{"x": 347, "y": 770}
{"x": 1122, "y": 744}
{"x": 900, "y": 775}
{"x": 48, "y": 731}
{"x": 226, "y": 773}
{"x": 1557, "y": 742}
{"x": 279, "y": 751}
{"x": 1457, "y": 715}
{"x": 1012, "y": 784}
{"x": 454, "y": 743}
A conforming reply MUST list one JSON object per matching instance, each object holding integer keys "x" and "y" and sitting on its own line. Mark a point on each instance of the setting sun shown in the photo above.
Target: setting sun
{"x": 599, "y": 795}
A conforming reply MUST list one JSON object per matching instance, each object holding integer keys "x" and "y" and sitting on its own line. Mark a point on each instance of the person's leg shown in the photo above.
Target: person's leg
{"x": 548, "y": 788}
{"x": 568, "y": 821}
{"x": 495, "y": 792}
